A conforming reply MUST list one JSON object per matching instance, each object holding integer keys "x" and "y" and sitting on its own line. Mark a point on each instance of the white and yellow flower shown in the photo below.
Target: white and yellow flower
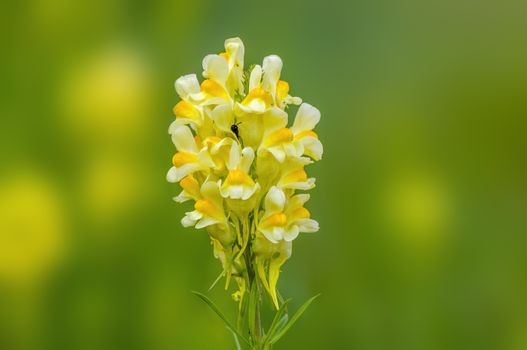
{"x": 190, "y": 190}
{"x": 224, "y": 74}
{"x": 238, "y": 184}
{"x": 223, "y": 118}
{"x": 284, "y": 219}
{"x": 208, "y": 210}
{"x": 305, "y": 139}
{"x": 219, "y": 150}
{"x": 293, "y": 175}
{"x": 187, "y": 87}
{"x": 189, "y": 158}
{"x": 298, "y": 217}
{"x": 282, "y": 95}
{"x": 187, "y": 111}
{"x": 234, "y": 54}
{"x": 266, "y": 89}
{"x": 235, "y": 150}
{"x": 277, "y": 139}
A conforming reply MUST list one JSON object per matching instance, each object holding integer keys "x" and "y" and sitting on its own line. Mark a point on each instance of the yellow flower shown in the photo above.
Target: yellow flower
{"x": 234, "y": 54}
{"x": 238, "y": 184}
{"x": 293, "y": 175}
{"x": 277, "y": 139}
{"x": 208, "y": 210}
{"x": 305, "y": 139}
{"x": 191, "y": 189}
{"x": 282, "y": 95}
{"x": 187, "y": 87}
{"x": 284, "y": 219}
{"x": 219, "y": 152}
{"x": 266, "y": 89}
{"x": 188, "y": 159}
{"x": 241, "y": 163}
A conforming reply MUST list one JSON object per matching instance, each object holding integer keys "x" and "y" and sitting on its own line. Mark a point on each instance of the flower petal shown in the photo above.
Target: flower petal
{"x": 184, "y": 140}
{"x": 248, "y": 191}
{"x": 274, "y": 119}
{"x": 216, "y": 67}
{"x": 312, "y": 147}
{"x": 278, "y": 233}
{"x": 185, "y": 170}
{"x": 187, "y": 85}
{"x": 223, "y": 117}
{"x": 171, "y": 175}
{"x": 236, "y": 50}
{"x": 210, "y": 190}
{"x": 278, "y": 153}
{"x": 206, "y": 221}
{"x": 291, "y": 233}
{"x": 268, "y": 233}
{"x": 256, "y": 77}
{"x": 307, "y": 225}
{"x": 224, "y": 142}
{"x": 205, "y": 159}
{"x": 235, "y": 192}
{"x": 274, "y": 200}
{"x": 306, "y": 118}
{"x": 272, "y": 67}
{"x": 182, "y": 197}
{"x": 234, "y": 156}
{"x": 247, "y": 159}
{"x": 190, "y": 218}
{"x": 299, "y": 200}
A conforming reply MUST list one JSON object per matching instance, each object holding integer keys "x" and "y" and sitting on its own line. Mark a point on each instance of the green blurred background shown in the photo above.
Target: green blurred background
{"x": 421, "y": 195}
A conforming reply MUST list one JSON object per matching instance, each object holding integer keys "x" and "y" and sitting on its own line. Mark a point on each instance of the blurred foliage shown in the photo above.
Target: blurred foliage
{"x": 422, "y": 193}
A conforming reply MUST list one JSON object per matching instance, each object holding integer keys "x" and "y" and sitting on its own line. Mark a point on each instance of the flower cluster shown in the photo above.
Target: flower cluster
{"x": 242, "y": 165}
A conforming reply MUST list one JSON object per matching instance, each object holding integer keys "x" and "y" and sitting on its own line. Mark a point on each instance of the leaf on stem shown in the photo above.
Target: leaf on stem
{"x": 280, "y": 333}
{"x": 217, "y": 280}
{"x": 220, "y": 314}
{"x": 278, "y": 320}
{"x": 238, "y": 346}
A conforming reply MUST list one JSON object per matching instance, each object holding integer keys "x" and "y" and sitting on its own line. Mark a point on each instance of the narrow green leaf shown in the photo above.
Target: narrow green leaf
{"x": 238, "y": 346}
{"x": 217, "y": 280}
{"x": 295, "y": 318}
{"x": 282, "y": 323}
{"x": 220, "y": 314}
{"x": 278, "y": 317}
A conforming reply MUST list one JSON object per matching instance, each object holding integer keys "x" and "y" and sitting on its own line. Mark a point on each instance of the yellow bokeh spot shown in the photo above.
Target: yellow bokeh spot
{"x": 112, "y": 184}
{"x": 32, "y": 229}
{"x": 419, "y": 211}
{"x": 108, "y": 95}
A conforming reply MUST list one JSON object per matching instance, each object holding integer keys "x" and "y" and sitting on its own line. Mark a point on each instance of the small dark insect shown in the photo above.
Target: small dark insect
{"x": 235, "y": 130}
